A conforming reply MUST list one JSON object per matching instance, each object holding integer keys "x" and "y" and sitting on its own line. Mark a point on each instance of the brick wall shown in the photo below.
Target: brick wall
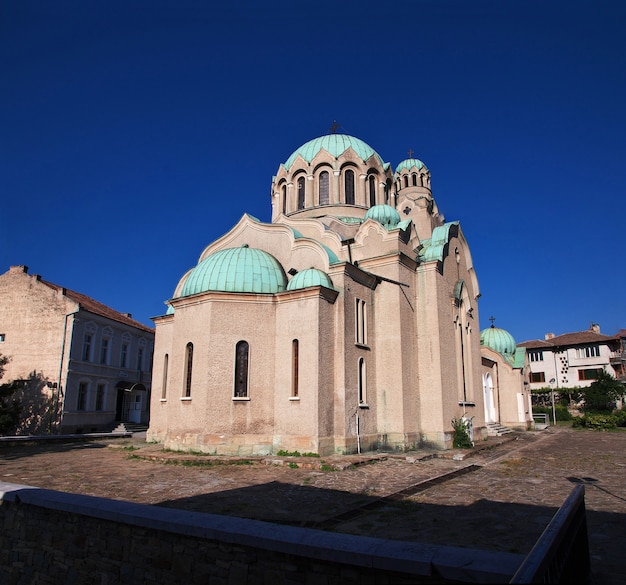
{"x": 49, "y": 537}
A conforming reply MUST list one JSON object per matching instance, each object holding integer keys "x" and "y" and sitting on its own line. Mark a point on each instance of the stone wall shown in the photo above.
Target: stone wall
{"x": 49, "y": 537}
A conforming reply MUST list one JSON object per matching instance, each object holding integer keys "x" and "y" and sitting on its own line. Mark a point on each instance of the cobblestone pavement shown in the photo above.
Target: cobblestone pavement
{"x": 500, "y": 496}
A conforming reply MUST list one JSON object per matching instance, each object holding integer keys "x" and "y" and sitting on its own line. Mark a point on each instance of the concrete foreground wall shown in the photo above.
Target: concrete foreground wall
{"x": 49, "y": 537}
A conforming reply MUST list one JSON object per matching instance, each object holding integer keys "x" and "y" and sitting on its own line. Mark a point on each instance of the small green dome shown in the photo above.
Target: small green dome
{"x": 499, "y": 340}
{"x": 385, "y": 215}
{"x": 335, "y": 145}
{"x": 409, "y": 163}
{"x": 237, "y": 270}
{"x": 310, "y": 277}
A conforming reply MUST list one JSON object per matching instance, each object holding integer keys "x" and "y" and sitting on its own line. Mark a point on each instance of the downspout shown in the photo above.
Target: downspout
{"x": 358, "y": 432}
{"x": 60, "y": 388}
{"x": 498, "y": 385}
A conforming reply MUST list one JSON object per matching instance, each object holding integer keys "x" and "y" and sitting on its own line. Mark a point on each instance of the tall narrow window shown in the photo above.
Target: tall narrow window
{"x": 360, "y": 322}
{"x": 301, "y": 182}
{"x": 372, "y": 188}
{"x": 349, "y": 183}
{"x": 324, "y": 188}
{"x": 414, "y": 179}
{"x": 104, "y": 350}
{"x": 406, "y": 180}
{"x": 188, "y": 368}
{"x": 284, "y": 199}
{"x": 166, "y": 359}
{"x": 87, "y": 342}
{"x": 294, "y": 367}
{"x": 140, "y": 359}
{"x": 81, "y": 402}
{"x": 241, "y": 369}
{"x": 362, "y": 382}
{"x": 99, "y": 396}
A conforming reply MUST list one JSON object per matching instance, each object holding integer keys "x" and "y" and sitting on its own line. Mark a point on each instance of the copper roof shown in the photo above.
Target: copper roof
{"x": 97, "y": 308}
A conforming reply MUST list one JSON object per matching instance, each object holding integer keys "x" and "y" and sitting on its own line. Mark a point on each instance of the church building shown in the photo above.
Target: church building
{"x": 347, "y": 324}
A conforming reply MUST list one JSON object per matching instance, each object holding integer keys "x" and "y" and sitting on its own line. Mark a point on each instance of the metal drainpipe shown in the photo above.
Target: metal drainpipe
{"x": 59, "y": 387}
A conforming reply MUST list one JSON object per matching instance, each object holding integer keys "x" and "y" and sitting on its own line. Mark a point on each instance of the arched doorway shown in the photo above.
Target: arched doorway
{"x": 491, "y": 415}
{"x": 129, "y": 402}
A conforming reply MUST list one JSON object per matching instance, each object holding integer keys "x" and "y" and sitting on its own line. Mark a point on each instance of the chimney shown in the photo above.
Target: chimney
{"x": 549, "y": 336}
{"x": 594, "y": 327}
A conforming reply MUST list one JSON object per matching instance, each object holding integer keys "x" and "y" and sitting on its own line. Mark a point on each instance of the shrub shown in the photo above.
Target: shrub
{"x": 600, "y": 421}
{"x": 460, "y": 438}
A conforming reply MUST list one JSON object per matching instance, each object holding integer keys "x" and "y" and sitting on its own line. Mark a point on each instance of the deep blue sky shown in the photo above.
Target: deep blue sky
{"x": 132, "y": 134}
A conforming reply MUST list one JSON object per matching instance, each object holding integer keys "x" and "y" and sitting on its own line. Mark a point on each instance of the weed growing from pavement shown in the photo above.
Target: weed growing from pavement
{"x": 191, "y": 462}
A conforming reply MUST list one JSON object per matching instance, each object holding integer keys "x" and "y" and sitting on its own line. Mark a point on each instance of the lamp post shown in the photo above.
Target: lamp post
{"x": 552, "y": 381}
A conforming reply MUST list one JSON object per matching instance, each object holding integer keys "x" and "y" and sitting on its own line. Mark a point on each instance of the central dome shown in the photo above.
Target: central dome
{"x": 244, "y": 269}
{"x": 335, "y": 145}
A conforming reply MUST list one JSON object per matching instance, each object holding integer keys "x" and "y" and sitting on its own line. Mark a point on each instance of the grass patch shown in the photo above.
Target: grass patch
{"x": 283, "y": 453}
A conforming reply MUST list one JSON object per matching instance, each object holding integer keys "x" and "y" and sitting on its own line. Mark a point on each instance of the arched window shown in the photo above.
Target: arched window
{"x": 295, "y": 351}
{"x": 360, "y": 323}
{"x": 406, "y": 180}
{"x": 301, "y": 181}
{"x": 414, "y": 179}
{"x": 241, "y": 369}
{"x": 166, "y": 359}
{"x": 349, "y": 183}
{"x": 324, "y": 188}
{"x": 188, "y": 368}
{"x": 372, "y": 187}
{"x": 362, "y": 382}
{"x": 284, "y": 199}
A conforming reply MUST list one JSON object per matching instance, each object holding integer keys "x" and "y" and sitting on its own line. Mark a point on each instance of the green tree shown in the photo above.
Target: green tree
{"x": 10, "y": 407}
{"x": 602, "y": 394}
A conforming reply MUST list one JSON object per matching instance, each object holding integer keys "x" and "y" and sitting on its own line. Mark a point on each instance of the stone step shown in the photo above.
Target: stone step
{"x": 497, "y": 430}
{"x": 127, "y": 427}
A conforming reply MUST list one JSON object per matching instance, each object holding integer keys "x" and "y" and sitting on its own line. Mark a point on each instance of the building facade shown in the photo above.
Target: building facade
{"x": 87, "y": 366}
{"x": 572, "y": 359}
{"x": 348, "y": 323}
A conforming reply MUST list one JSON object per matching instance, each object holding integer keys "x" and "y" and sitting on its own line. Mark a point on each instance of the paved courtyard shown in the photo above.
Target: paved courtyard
{"x": 498, "y": 497}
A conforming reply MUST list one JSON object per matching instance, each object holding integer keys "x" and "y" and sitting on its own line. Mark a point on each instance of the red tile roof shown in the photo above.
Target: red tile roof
{"x": 97, "y": 308}
{"x": 569, "y": 339}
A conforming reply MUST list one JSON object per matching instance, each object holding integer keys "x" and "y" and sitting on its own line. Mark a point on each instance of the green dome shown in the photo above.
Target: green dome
{"x": 310, "y": 277}
{"x": 385, "y": 215}
{"x": 499, "y": 340}
{"x": 335, "y": 145}
{"x": 237, "y": 270}
{"x": 409, "y": 163}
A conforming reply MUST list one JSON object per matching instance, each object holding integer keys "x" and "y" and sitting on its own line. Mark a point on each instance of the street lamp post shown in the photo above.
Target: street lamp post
{"x": 552, "y": 381}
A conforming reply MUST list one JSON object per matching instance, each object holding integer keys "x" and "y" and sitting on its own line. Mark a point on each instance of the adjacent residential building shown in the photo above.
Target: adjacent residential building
{"x": 348, "y": 323}
{"x": 86, "y": 366}
{"x": 618, "y": 357}
{"x": 571, "y": 359}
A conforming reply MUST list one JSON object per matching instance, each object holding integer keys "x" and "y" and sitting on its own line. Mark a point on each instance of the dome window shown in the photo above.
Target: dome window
{"x": 372, "y": 189}
{"x": 301, "y": 193}
{"x": 349, "y": 185}
{"x": 324, "y": 188}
